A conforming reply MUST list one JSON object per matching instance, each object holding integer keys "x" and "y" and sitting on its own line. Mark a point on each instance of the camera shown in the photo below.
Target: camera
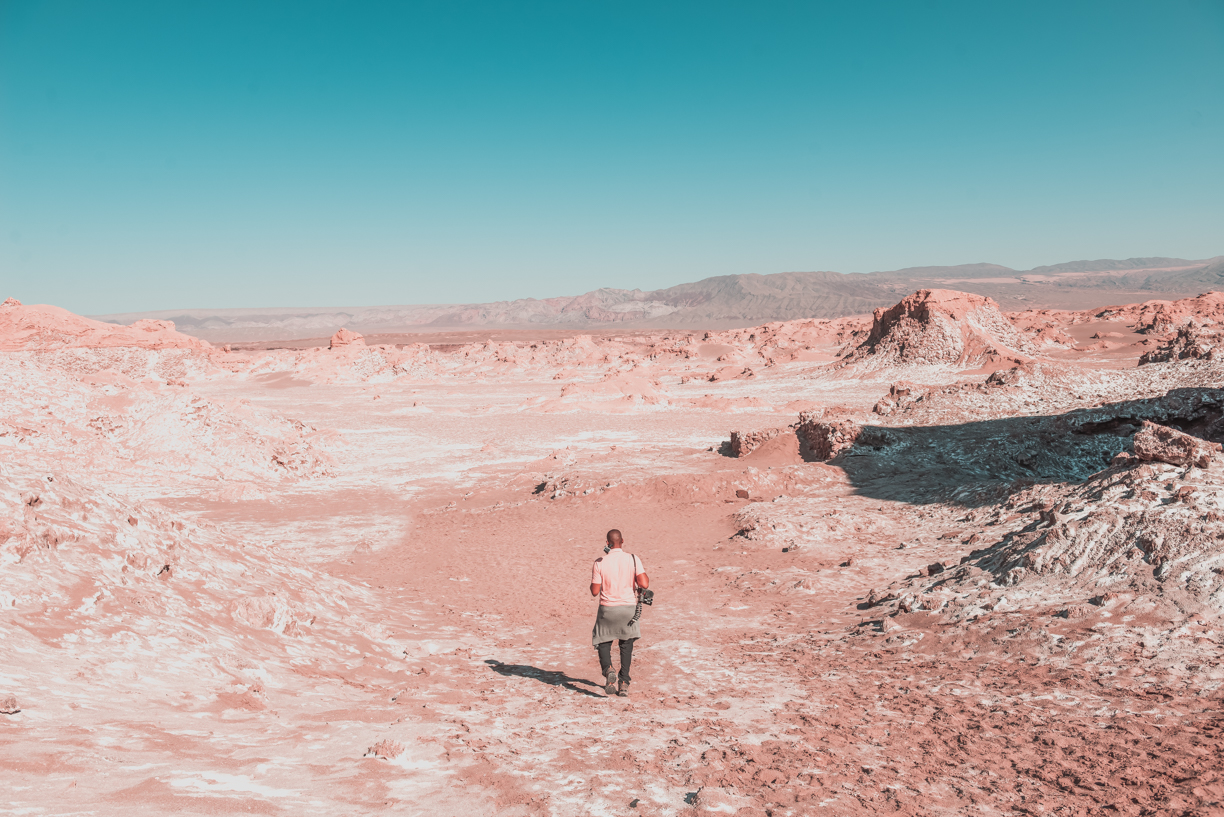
{"x": 646, "y": 596}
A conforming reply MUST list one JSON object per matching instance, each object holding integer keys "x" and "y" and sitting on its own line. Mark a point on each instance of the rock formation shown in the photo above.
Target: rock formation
{"x": 345, "y": 337}
{"x": 826, "y": 438}
{"x": 50, "y": 328}
{"x": 1157, "y": 514}
{"x": 1163, "y": 444}
{"x": 1193, "y": 341}
{"x": 899, "y": 396}
{"x": 744, "y": 443}
{"x": 939, "y": 326}
{"x": 1159, "y": 317}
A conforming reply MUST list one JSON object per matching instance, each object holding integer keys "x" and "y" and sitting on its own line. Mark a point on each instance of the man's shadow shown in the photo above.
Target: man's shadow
{"x": 550, "y": 677}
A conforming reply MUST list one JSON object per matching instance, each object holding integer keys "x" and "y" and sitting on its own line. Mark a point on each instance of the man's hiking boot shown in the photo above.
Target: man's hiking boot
{"x": 623, "y": 692}
{"x": 610, "y": 685}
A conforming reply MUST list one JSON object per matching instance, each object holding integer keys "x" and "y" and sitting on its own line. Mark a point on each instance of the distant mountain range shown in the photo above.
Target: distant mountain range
{"x": 725, "y": 301}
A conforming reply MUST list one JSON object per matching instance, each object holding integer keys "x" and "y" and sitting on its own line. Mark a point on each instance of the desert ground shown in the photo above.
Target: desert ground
{"x": 939, "y": 560}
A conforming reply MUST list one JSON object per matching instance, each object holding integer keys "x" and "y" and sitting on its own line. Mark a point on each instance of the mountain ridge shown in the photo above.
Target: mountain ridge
{"x": 722, "y": 302}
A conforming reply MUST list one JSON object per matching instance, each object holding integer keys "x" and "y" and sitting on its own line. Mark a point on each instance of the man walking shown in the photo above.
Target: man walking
{"x": 615, "y": 579}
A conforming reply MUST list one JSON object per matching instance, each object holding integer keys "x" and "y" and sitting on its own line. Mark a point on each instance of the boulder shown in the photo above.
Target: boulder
{"x": 878, "y": 597}
{"x": 900, "y": 396}
{"x": 346, "y": 337}
{"x": 1164, "y": 444}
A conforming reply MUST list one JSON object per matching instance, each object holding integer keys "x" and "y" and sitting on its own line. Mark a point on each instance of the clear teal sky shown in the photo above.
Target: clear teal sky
{"x": 213, "y": 154}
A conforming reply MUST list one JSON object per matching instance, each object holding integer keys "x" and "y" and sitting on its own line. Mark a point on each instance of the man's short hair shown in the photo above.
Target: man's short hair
{"x": 616, "y": 533}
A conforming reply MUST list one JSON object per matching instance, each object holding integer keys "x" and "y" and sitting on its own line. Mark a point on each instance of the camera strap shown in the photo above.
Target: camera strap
{"x": 636, "y": 591}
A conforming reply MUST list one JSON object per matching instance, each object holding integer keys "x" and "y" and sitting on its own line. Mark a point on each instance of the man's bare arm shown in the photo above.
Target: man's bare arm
{"x": 595, "y": 588}
{"x": 643, "y": 581}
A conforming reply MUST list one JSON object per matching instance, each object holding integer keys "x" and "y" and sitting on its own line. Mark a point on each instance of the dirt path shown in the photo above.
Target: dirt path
{"x": 749, "y": 701}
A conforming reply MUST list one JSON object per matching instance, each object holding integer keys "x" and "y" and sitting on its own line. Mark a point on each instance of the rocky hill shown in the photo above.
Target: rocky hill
{"x": 47, "y": 328}
{"x": 940, "y": 326}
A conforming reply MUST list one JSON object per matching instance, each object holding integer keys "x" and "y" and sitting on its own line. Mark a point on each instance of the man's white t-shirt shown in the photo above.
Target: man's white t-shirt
{"x": 616, "y": 572}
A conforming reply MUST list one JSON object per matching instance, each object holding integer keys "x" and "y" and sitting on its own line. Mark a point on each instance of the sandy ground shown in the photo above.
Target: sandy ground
{"x": 404, "y": 625}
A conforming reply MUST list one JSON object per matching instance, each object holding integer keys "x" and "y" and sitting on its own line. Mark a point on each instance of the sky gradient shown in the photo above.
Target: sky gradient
{"x": 176, "y": 155}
